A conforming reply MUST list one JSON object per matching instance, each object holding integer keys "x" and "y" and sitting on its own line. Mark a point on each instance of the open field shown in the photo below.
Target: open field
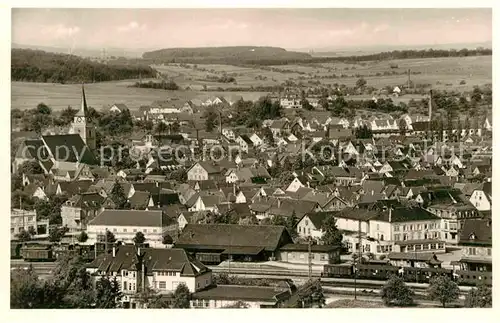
{"x": 440, "y": 73}
{"x": 473, "y": 70}
{"x": 245, "y": 77}
{"x": 26, "y": 95}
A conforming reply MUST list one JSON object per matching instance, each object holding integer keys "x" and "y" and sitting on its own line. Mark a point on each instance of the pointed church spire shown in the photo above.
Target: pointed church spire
{"x": 83, "y": 108}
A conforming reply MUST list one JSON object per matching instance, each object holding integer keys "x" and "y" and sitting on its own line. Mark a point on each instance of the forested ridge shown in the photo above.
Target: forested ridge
{"x": 38, "y": 66}
{"x": 246, "y": 55}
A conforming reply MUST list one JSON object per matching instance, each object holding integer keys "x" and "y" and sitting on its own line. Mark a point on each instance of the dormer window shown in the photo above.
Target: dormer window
{"x": 472, "y": 236}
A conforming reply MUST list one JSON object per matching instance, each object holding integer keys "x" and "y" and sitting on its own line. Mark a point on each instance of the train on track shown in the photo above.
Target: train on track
{"x": 49, "y": 252}
{"x": 408, "y": 274}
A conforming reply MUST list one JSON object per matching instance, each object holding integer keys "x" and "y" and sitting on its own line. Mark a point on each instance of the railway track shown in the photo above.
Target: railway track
{"x": 301, "y": 276}
{"x": 39, "y": 268}
{"x": 297, "y": 276}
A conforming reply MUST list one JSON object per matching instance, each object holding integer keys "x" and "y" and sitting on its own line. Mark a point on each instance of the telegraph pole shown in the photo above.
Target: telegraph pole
{"x": 309, "y": 257}
{"x": 415, "y": 263}
{"x": 357, "y": 259}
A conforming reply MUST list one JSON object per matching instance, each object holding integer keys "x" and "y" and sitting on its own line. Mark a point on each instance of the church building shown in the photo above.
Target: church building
{"x": 66, "y": 157}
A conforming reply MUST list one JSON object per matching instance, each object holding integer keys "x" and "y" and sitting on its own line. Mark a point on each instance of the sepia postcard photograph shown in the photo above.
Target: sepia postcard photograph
{"x": 251, "y": 158}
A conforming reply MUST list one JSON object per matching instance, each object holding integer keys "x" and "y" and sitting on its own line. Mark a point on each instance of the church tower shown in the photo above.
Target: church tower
{"x": 82, "y": 124}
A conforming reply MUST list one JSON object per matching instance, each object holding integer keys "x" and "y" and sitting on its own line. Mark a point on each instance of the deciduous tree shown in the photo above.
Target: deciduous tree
{"x": 310, "y": 295}
{"x": 396, "y": 292}
{"x": 481, "y": 296}
{"x": 443, "y": 289}
{"x": 332, "y": 235}
{"x": 82, "y": 237}
{"x": 118, "y": 196}
{"x": 182, "y": 297}
{"x": 167, "y": 239}
{"x": 139, "y": 238}
{"x": 110, "y": 237}
{"x": 211, "y": 117}
{"x": 108, "y": 293}
{"x": 161, "y": 128}
{"x": 23, "y": 236}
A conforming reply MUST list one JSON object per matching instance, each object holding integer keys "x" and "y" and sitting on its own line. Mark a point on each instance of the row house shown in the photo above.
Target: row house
{"x": 290, "y": 103}
{"x": 124, "y": 224}
{"x": 24, "y": 220}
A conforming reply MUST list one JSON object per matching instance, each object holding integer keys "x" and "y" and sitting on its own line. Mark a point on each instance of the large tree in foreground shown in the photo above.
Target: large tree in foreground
{"x": 139, "y": 238}
{"x": 443, "y": 289}
{"x": 396, "y": 292}
{"x": 332, "y": 235}
{"x": 310, "y": 295}
{"x": 182, "y": 296}
{"x": 479, "y": 297}
{"x": 108, "y": 294}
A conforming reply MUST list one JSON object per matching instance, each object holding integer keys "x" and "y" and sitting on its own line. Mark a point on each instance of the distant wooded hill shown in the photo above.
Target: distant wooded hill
{"x": 249, "y": 55}
{"x": 39, "y": 66}
{"x": 226, "y": 55}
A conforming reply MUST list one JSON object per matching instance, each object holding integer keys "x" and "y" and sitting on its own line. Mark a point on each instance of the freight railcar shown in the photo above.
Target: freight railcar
{"x": 37, "y": 252}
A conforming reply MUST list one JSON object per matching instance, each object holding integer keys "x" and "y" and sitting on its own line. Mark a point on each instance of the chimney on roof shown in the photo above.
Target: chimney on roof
{"x": 279, "y": 203}
{"x": 138, "y": 251}
{"x": 390, "y": 214}
{"x": 114, "y": 251}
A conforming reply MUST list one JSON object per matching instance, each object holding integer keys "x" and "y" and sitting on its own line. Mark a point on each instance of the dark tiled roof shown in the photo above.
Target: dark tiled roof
{"x": 242, "y": 293}
{"x": 358, "y": 214}
{"x": 86, "y": 200}
{"x": 305, "y": 247}
{"x": 161, "y": 259}
{"x": 427, "y": 257}
{"x": 135, "y": 218}
{"x": 73, "y": 144}
{"x": 32, "y": 148}
{"x": 139, "y": 200}
{"x": 406, "y": 214}
{"x": 476, "y": 231}
{"x": 221, "y": 236}
{"x": 317, "y": 218}
{"x": 246, "y": 139}
{"x": 76, "y": 187}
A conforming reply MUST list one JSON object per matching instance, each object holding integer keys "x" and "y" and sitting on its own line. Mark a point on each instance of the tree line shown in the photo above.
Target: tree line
{"x": 170, "y": 85}
{"x": 408, "y": 54}
{"x": 441, "y": 289}
{"x": 289, "y": 58}
{"x": 38, "y": 66}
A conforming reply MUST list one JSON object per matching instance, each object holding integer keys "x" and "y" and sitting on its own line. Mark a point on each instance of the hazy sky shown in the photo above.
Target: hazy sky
{"x": 288, "y": 28}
